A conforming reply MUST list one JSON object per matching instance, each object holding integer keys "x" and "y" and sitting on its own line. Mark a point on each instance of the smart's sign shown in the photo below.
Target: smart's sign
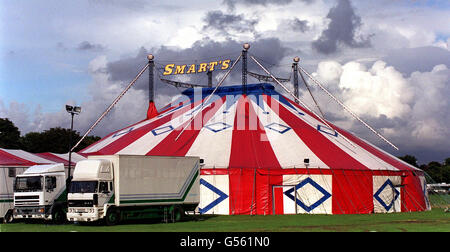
{"x": 172, "y": 69}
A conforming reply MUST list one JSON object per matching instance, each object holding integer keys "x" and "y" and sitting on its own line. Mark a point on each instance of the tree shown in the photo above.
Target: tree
{"x": 55, "y": 140}
{"x": 440, "y": 173}
{"x": 9, "y": 134}
{"x": 447, "y": 161}
{"x": 412, "y": 160}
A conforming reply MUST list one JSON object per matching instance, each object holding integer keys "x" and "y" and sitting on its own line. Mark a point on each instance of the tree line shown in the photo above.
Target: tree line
{"x": 55, "y": 140}
{"x": 439, "y": 172}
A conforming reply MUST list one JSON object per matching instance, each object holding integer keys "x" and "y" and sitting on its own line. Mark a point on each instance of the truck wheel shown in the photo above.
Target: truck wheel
{"x": 178, "y": 214}
{"x": 59, "y": 216}
{"x": 8, "y": 217}
{"x": 112, "y": 217}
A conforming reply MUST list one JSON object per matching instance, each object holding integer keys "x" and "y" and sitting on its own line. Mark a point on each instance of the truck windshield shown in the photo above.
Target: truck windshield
{"x": 28, "y": 184}
{"x": 83, "y": 186}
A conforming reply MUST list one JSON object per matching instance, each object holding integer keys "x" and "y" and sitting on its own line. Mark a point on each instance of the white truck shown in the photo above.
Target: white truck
{"x": 40, "y": 193}
{"x": 125, "y": 187}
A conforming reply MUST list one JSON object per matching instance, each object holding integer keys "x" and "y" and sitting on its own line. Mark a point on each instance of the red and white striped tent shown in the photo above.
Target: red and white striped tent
{"x": 265, "y": 154}
{"x": 21, "y": 158}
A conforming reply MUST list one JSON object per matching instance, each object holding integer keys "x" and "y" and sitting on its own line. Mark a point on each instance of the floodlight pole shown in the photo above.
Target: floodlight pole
{"x": 69, "y": 178}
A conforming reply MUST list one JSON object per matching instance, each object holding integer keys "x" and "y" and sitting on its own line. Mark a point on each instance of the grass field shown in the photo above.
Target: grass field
{"x": 431, "y": 221}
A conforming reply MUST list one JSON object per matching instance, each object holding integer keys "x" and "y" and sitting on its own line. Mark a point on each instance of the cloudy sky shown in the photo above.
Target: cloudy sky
{"x": 388, "y": 60}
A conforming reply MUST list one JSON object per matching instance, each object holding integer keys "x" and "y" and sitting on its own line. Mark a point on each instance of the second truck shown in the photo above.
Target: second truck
{"x": 126, "y": 187}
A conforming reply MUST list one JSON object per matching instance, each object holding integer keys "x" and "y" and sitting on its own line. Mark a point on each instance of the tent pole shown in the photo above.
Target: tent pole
{"x": 295, "y": 72}
{"x": 151, "y": 66}
{"x": 244, "y": 67}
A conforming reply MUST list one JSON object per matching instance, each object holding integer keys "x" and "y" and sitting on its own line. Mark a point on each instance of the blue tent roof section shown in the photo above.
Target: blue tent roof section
{"x": 259, "y": 88}
{"x": 254, "y": 91}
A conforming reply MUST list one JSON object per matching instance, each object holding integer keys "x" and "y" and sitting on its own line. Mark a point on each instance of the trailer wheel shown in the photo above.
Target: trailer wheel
{"x": 112, "y": 217}
{"x": 178, "y": 214}
{"x": 8, "y": 217}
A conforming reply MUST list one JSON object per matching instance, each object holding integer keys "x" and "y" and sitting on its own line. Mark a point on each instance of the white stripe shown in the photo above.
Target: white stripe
{"x": 307, "y": 194}
{"x": 221, "y": 182}
{"x": 289, "y": 149}
{"x": 387, "y": 194}
{"x": 215, "y": 147}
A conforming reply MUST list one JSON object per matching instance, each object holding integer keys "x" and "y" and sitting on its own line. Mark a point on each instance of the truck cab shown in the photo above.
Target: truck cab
{"x": 91, "y": 190}
{"x": 40, "y": 193}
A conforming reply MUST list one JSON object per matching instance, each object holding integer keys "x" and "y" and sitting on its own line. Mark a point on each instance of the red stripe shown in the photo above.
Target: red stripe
{"x": 7, "y": 158}
{"x": 169, "y": 146}
{"x": 250, "y": 154}
{"x": 278, "y": 198}
{"x": 135, "y": 134}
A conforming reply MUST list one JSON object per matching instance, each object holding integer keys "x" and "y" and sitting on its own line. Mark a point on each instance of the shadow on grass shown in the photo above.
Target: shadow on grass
{"x": 189, "y": 218}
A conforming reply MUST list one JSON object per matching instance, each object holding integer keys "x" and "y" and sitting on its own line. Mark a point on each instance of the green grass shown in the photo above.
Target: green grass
{"x": 431, "y": 221}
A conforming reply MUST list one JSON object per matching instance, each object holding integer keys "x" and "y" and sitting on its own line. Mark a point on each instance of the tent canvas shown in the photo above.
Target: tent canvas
{"x": 256, "y": 141}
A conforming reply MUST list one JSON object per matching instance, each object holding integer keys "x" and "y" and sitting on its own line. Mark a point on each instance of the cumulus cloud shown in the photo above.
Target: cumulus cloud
{"x": 232, "y": 3}
{"x": 411, "y": 111}
{"x": 295, "y": 24}
{"x": 342, "y": 30}
{"x": 88, "y": 46}
{"x": 227, "y": 24}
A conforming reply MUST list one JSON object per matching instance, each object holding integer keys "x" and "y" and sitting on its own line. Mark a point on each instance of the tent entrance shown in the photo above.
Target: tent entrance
{"x": 279, "y": 203}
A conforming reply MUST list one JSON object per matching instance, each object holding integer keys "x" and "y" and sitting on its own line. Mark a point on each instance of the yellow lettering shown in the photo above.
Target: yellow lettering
{"x": 202, "y": 67}
{"x": 180, "y": 69}
{"x": 168, "y": 69}
{"x": 225, "y": 64}
{"x": 191, "y": 69}
{"x": 212, "y": 65}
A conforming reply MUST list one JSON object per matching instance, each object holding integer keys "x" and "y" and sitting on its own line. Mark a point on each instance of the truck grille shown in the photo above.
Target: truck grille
{"x": 32, "y": 200}
{"x": 81, "y": 203}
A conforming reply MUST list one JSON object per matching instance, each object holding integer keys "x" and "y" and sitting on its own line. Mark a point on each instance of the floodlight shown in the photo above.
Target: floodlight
{"x": 69, "y": 108}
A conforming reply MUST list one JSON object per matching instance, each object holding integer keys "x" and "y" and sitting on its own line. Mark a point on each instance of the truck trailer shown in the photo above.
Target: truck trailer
{"x": 40, "y": 193}
{"x": 125, "y": 187}
{"x": 7, "y": 176}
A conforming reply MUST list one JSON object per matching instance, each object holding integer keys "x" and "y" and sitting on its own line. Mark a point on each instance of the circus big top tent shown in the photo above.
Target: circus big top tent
{"x": 265, "y": 154}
